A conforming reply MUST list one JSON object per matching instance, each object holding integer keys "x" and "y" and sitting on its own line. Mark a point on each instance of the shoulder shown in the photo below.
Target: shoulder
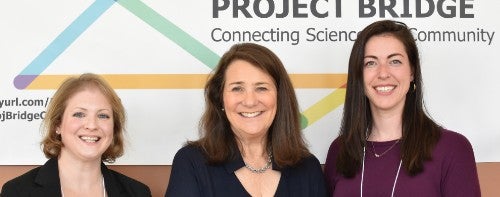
{"x": 453, "y": 146}
{"x": 306, "y": 178}
{"x": 20, "y": 183}
{"x": 453, "y": 140}
{"x": 189, "y": 153}
{"x": 334, "y": 146}
{"x": 311, "y": 160}
{"x": 131, "y": 185}
{"x": 309, "y": 165}
{"x": 188, "y": 160}
{"x": 190, "y": 150}
{"x": 333, "y": 151}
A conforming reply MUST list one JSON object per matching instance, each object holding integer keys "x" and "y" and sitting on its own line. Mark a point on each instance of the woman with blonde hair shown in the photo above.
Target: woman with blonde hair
{"x": 83, "y": 128}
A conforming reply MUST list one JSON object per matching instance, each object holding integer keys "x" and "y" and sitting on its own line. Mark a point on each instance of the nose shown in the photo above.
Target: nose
{"x": 250, "y": 99}
{"x": 383, "y": 71}
{"x": 91, "y": 123}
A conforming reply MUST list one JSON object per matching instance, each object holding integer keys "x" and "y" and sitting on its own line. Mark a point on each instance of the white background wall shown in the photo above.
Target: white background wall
{"x": 462, "y": 87}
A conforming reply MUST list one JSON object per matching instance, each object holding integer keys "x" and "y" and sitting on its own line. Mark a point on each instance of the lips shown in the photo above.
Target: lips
{"x": 385, "y": 89}
{"x": 90, "y": 139}
{"x": 250, "y": 114}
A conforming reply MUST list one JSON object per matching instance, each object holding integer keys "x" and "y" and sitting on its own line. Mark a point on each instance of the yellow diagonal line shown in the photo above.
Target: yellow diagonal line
{"x": 323, "y": 107}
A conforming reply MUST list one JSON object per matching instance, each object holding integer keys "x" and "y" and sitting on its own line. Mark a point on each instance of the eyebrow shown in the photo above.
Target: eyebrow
{"x": 99, "y": 110}
{"x": 391, "y": 55}
{"x": 236, "y": 83}
{"x": 241, "y": 82}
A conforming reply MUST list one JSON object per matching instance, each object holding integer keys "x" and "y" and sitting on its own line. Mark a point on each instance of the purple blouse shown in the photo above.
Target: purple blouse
{"x": 451, "y": 172}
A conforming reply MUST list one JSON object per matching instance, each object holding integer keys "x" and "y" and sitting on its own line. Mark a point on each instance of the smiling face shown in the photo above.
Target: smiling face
{"x": 87, "y": 125}
{"x": 250, "y": 99}
{"x": 387, "y": 73}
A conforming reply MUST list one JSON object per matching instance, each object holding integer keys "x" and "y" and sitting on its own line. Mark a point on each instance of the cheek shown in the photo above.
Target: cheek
{"x": 108, "y": 128}
{"x": 229, "y": 101}
{"x": 70, "y": 124}
{"x": 368, "y": 76}
{"x": 273, "y": 101}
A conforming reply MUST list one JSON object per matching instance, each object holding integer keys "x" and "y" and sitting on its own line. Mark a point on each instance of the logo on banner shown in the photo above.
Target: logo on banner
{"x": 32, "y": 78}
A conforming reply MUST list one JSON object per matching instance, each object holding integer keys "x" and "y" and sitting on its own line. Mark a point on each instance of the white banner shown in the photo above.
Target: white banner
{"x": 157, "y": 54}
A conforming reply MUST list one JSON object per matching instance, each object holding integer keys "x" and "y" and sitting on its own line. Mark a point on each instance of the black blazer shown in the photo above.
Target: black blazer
{"x": 44, "y": 181}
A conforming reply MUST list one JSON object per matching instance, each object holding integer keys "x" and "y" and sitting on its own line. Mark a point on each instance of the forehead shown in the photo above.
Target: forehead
{"x": 385, "y": 44}
{"x": 241, "y": 70}
{"x": 88, "y": 96}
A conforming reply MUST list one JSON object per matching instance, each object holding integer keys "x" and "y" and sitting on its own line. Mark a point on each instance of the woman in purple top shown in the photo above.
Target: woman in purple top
{"x": 388, "y": 145}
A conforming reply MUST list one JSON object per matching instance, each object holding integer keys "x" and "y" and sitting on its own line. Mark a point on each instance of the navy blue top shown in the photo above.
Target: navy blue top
{"x": 192, "y": 176}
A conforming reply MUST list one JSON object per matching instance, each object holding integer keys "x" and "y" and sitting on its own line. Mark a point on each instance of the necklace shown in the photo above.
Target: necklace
{"x": 380, "y": 155}
{"x": 363, "y": 173}
{"x": 103, "y": 189}
{"x": 263, "y": 169}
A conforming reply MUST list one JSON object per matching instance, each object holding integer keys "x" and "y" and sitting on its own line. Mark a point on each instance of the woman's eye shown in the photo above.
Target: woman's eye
{"x": 236, "y": 89}
{"x": 395, "y": 62}
{"x": 79, "y": 115}
{"x": 103, "y": 116}
{"x": 261, "y": 89}
{"x": 370, "y": 63}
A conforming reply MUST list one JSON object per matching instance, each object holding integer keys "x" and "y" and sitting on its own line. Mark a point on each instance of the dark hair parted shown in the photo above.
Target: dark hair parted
{"x": 52, "y": 144}
{"x": 419, "y": 132}
{"x": 284, "y": 137}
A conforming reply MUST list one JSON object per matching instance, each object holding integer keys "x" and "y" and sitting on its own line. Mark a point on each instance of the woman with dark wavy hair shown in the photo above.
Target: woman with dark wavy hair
{"x": 251, "y": 143}
{"x": 388, "y": 145}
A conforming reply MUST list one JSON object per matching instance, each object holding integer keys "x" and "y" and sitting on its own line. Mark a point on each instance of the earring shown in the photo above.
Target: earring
{"x": 222, "y": 109}
{"x": 57, "y": 132}
{"x": 414, "y": 86}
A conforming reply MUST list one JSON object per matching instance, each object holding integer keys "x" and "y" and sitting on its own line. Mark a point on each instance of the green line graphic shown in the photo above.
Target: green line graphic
{"x": 171, "y": 31}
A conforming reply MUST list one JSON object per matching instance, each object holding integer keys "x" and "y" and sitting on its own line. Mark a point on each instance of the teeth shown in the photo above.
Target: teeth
{"x": 384, "y": 88}
{"x": 89, "y": 139}
{"x": 250, "y": 115}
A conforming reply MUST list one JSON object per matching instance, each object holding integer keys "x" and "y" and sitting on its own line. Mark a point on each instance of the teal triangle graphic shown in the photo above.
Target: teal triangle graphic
{"x": 90, "y": 15}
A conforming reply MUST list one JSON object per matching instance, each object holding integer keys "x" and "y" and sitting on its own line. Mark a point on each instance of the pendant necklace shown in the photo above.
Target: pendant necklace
{"x": 363, "y": 171}
{"x": 263, "y": 169}
{"x": 380, "y": 155}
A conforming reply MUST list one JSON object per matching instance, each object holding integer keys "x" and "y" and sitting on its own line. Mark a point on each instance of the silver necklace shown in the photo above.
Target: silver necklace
{"x": 103, "y": 189}
{"x": 380, "y": 155}
{"x": 263, "y": 169}
{"x": 363, "y": 174}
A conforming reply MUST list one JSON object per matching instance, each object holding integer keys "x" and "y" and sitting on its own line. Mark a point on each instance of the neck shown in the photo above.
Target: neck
{"x": 254, "y": 152}
{"x": 78, "y": 174}
{"x": 386, "y": 126}
{"x": 252, "y": 147}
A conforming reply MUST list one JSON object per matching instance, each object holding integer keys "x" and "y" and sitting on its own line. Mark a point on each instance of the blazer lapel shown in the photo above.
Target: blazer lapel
{"x": 47, "y": 180}
{"x": 113, "y": 186}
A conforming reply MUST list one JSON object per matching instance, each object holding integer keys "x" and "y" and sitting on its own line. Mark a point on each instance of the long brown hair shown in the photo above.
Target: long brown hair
{"x": 419, "y": 133}
{"x": 285, "y": 139}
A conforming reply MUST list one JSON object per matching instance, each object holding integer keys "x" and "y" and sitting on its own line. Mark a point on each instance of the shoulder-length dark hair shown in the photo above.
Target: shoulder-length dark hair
{"x": 284, "y": 138}
{"x": 419, "y": 133}
{"x": 52, "y": 144}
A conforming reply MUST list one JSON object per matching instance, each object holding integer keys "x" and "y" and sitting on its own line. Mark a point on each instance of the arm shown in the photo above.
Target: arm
{"x": 183, "y": 178}
{"x": 329, "y": 169}
{"x": 460, "y": 174}
{"x": 318, "y": 179}
{"x": 9, "y": 190}
{"x": 20, "y": 186}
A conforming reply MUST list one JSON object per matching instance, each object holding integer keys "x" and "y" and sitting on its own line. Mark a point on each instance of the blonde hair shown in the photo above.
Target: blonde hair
{"x": 52, "y": 144}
